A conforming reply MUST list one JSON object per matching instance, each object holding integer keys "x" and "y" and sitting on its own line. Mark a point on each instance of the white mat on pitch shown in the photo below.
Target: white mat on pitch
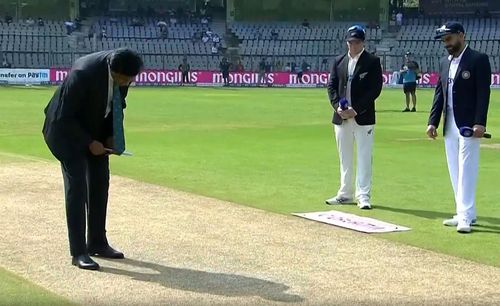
{"x": 350, "y": 221}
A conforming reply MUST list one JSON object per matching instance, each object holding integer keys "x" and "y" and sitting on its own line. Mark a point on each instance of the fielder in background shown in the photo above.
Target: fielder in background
{"x": 462, "y": 95}
{"x": 355, "y": 83}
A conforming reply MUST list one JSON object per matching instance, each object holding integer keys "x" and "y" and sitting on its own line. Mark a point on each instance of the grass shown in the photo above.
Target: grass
{"x": 274, "y": 149}
{"x": 15, "y": 290}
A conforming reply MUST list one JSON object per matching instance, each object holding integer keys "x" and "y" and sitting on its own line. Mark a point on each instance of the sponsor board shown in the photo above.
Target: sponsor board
{"x": 24, "y": 76}
{"x": 251, "y": 79}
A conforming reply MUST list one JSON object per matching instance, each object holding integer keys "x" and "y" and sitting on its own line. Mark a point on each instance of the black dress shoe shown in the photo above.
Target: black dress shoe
{"x": 84, "y": 262}
{"x": 106, "y": 252}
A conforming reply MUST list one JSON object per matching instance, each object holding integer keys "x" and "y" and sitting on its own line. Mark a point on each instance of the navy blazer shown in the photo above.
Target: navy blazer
{"x": 366, "y": 86}
{"x": 74, "y": 116}
{"x": 471, "y": 91}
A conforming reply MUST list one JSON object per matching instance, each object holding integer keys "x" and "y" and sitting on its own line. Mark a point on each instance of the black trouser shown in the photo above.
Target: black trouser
{"x": 299, "y": 76}
{"x": 86, "y": 184}
{"x": 185, "y": 77}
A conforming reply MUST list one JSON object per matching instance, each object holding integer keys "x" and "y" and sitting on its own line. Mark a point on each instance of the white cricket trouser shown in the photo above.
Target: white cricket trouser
{"x": 462, "y": 155}
{"x": 345, "y": 135}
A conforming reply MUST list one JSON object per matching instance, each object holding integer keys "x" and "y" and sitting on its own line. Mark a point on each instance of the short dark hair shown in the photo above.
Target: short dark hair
{"x": 125, "y": 61}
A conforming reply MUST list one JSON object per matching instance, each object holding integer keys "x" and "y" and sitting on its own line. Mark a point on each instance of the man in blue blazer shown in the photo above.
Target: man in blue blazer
{"x": 462, "y": 95}
{"x": 355, "y": 83}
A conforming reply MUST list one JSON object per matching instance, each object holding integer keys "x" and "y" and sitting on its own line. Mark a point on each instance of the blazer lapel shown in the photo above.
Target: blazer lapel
{"x": 359, "y": 64}
{"x": 343, "y": 69}
{"x": 463, "y": 62}
{"x": 444, "y": 79}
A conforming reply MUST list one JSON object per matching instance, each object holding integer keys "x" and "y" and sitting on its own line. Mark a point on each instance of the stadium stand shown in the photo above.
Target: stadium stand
{"x": 280, "y": 43}
{"x": 292, "y": 43}
{"x": 416, "y": 36}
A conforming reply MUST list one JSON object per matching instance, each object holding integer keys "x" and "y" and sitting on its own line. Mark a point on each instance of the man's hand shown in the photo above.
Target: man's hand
{"x": 341, "y": 113}
{"x": 478, "y": 130}
{"x": 97, "y": 148}
{"x": 432, "y": 131}
{"x": 346, "y": 113}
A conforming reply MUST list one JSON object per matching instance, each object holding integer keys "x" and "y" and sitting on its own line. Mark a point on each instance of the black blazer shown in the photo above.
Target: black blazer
{"x": 365, "y": 86}
{"x": 471, "y": 90}
{"x": 74, "y": 116}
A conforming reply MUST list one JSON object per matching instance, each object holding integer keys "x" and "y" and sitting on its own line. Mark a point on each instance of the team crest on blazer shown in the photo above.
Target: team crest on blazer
{"x": 465, "y": 75}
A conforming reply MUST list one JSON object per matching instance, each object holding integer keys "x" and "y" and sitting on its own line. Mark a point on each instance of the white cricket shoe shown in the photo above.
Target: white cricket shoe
{"x": 336, "y": 200}
{"x": 454, "y": 221}
{"x": 464, "y": 226}
{"x": 364, "y": 204}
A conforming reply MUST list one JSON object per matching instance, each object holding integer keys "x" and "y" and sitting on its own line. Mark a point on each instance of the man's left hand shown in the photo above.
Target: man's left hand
{"x": 478, "y": 130}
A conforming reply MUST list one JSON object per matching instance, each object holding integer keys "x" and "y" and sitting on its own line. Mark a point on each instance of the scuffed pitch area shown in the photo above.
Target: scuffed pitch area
{"x": 184, "y": 249}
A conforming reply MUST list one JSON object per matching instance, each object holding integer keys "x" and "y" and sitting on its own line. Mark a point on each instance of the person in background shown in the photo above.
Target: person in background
{"x": 304, "y": 68}
{"x": 136, "y": 22}
{"x": 70, "y": 27}
{"x": 8, "y": 19}
{"x": 103, "y": 33}
{"x": 262, "y": 71}
{"x": 267, "y": 71}
{"x": 214, "y": 48}
{"x": 224, "y": 69}
{"x": 411, "y": 73}
{"x": 163, "y": 27}
{"x": 239, "y": 66}
{"x": 184, "y": 68}
{"x": 30, "y": 22}
{"x": 305, "y": 23}
{"x": 399, "y": 18}
{"x": 300, "y": 73}
{"x": 278, "y": 66}
{"x": 6, "y": 64}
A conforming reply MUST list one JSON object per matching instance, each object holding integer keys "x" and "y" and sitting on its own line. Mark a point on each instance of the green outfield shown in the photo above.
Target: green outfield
{"x": 15, "y": 290}
{"x": 274, "y": 149}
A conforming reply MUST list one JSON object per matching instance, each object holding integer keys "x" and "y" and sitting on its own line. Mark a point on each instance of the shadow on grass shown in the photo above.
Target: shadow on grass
{"x": 230, "y": 285}
{"x": 435, "y": 215}
{"x": 399, "y": 111}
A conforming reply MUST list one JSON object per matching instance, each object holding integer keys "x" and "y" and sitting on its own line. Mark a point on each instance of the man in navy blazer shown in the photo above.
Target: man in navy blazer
{"x": 462, "y": 96}
{"x": 355, "y": 83}
{"x": 81, "y": 124}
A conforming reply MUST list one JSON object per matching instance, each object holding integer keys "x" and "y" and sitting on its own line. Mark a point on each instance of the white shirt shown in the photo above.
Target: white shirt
{"x": 352, "y": 62}
{"x": 455, "y": 62}
{"x": 110, "y": 93}
{"x": 350, "y": 72}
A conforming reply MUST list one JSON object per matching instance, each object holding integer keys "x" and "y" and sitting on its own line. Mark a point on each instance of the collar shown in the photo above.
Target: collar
{"x": 459, "y": 58}
{"x": 357, "y": 56}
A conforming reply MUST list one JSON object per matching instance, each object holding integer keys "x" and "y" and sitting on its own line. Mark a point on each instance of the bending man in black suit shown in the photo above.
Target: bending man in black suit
{"x": 83, "y": 125}
{"x": 462, "y": 95}
{"x": 356, "y": 81}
